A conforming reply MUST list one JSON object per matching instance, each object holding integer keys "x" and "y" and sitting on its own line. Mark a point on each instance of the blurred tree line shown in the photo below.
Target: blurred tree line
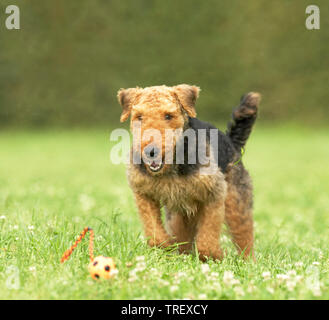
{"x": 67, "y": 62}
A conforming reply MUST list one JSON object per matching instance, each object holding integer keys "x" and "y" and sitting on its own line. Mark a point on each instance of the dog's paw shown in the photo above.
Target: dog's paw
{"x": 215, "y": 255}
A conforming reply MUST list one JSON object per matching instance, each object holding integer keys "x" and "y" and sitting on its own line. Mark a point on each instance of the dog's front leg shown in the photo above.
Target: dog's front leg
{"x": 209, "y": 226}
{"x": 149, "y": 210}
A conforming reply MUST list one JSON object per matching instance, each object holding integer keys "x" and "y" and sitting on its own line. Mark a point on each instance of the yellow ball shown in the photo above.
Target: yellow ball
{"x": 102, "y": 267}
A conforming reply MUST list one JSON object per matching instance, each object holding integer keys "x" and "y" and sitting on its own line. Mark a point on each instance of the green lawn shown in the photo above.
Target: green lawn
{"x": 54, "y": 183}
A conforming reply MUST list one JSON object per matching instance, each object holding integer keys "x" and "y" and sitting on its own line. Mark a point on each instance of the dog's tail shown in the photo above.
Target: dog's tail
{"x": 244, "y": 116}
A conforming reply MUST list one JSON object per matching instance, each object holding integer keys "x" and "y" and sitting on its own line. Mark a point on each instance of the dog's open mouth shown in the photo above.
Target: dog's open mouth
{"x": 155, "y": 166}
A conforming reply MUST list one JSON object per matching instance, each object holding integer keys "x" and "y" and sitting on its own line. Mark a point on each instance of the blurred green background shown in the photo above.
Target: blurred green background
{"x": 65, "y": 65}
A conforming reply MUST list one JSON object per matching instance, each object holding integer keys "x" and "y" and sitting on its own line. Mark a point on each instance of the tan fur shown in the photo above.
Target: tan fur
{"x": 196, "y": 205}
{"x": 179, "y": 194}
{"x": 238, "y": 212}
{"x": 150, "y": 213}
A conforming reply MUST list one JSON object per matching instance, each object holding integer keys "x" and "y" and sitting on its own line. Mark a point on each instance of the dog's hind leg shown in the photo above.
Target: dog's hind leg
{"x": 182, "y": 229}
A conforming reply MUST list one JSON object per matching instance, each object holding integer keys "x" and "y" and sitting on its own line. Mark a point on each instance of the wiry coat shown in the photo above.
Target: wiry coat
{"x": 196, "y": 204}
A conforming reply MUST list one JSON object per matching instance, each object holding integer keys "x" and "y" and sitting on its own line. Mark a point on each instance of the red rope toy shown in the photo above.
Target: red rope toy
{"x": 99, "y": 267}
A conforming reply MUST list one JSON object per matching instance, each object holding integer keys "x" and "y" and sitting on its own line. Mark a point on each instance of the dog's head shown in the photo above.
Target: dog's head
{"x": 159, "y": 113}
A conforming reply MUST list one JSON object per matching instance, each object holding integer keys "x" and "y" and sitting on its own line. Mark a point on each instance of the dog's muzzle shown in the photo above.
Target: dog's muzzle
{"x": 152, "y": 158}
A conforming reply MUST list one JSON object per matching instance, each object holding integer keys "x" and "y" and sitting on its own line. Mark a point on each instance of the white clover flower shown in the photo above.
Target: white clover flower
{"x": 239, "y": 291}
{"x": 299, "y": 264}
{"x": 214, "y": 276}
{"x": 228, "y": 278}
{"x": 30, "y": 228}
{"x": 205, "y": 268}
{"x": 202, "y": 296}
{"x": 32, "y": 269}
{"x": 132, "y": 275}
{"x": 270, "y": 290}
{"x": 140, "y": 258}
{"x": 291, "y": 273}
{"x": 132, "y": 272}
{"x": 154, "y": 271}
{"x": 15, "y": 227}
{"x": 114, "y": 272}
{"x": 181, "y": 274}
{"x": 2, "y": 217}
{"x": 291, "y": 284}
{"x": 132, "y": 278}
{"x": 316, "y": 263}
{"x": 216, "y": 286}
{"x": 266, "y": 275}
{"x": 282, "y": 277}
{"x": 164, "y": 282}
{"x": 235, "y": 281}
{"x": 251, "y": 287}
{"x": 317, "y": 291}
{"x": 228, "y": 275}
{"x": 140, "y": 266}
{"x": 173, "y": 288}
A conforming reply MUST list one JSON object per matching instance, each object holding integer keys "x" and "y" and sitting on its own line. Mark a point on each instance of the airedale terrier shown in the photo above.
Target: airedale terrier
{"x": 196, "y": 205}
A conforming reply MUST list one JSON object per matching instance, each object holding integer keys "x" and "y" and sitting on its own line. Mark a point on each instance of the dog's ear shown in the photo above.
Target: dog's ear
{"x": 126, "y": 98}
{"x": 187, "y": 96}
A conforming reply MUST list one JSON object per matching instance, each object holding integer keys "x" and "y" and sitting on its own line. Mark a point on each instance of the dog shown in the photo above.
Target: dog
{"x": 196, "y": 205}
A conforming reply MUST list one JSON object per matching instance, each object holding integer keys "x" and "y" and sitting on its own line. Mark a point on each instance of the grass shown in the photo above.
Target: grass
{"x": 54, "y": 183}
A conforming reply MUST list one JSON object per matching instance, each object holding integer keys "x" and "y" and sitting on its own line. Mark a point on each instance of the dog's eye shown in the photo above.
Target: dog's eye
{"x": 139, "y": 118}
{"x": 168, "y": 116}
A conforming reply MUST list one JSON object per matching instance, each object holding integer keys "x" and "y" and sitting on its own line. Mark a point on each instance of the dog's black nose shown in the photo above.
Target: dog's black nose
{"x": 151, "y": 151}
